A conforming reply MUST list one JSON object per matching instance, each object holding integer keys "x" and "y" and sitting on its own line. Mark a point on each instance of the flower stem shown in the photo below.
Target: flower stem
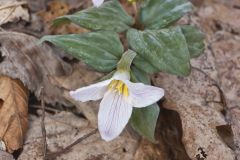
{"x": 125, "y": 62}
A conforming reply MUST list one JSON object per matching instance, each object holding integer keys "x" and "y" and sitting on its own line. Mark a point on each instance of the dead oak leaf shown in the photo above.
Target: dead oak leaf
{"x": 197, "y": 100}
{"x": 220, "y": 21}
{"x": 13, "y": 112}
{"x": 12, "y": 10}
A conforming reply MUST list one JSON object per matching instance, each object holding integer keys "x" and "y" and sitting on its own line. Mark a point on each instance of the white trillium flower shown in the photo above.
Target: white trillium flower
{"x": 97, "y": 3}
{"x": 119, "y": 96}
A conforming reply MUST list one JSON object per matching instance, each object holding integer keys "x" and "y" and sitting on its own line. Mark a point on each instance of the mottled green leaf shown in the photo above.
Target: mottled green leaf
{"x": 139, "y": 76}
{"x": 160, "y": 50}
{"x": 109, "y": 16}
{"x": 100, "y": 50}
{"x": 144, "y": 65}
{"x": 144, "y": 120}
{"x": 157, "y": 14}
{"x": 194, "y": 38}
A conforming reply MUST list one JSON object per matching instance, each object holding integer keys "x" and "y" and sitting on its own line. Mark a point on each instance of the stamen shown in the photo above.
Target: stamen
{"x": 119, "y": 86}
{"x": 112, "y": 84}
{"x": 125, "y": 90}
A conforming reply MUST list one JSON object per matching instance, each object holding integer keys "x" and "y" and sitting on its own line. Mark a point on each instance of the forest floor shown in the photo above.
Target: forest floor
{"x": 200, "y": 114}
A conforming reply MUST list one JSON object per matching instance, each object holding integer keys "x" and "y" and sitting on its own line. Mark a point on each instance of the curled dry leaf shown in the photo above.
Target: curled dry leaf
{"x": 12, "y": 10}
{"x": 13, "y": 112}
{"x": 22, "y": 58}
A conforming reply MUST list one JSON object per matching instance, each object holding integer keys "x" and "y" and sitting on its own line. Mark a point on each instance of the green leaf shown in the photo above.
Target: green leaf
{"x": 157, "y": 14}
{"x": 144, "y": 120}
{"x": 144, "y": 65}
{"x": 100, "y": 50}
{"x": 194, "y": 38}
{"x": 160, "y": 50}
{"x": 139, "y": 76}
{"x": 109, "y": 16}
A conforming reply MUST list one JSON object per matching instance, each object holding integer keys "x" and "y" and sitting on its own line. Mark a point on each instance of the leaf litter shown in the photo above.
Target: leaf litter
{"x": 206, "y": 103}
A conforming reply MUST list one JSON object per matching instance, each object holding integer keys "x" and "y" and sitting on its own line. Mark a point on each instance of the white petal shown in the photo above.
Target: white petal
{"x": 113, "y": 115}
{"x": 92, "y": 92}
{"x": 97, "y": 3}
{"x": 121, "y": 75}
{"x": 143, "y": 95}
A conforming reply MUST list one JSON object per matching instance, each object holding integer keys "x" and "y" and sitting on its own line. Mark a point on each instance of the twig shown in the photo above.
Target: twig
{"x": 43, "y": 125}
{"x": 66, "y": 149}
{"x": 49, "y": 109}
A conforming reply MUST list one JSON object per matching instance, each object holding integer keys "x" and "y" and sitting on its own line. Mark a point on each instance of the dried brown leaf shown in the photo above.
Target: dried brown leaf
{"x": 12, "y": 10}
{"x": 227, "y": 61}
{"x": 197, "y": 99}
{"x": 63, "y": 129}
{"x": 223, "y": 55}
{"x": 22, "y": 58}
{"x": 13, "y": 112}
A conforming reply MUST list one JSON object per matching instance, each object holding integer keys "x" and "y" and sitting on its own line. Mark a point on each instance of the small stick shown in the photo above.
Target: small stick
{"x": 58, "y": 153}
{"x": 46, "y": 108}
{"x": 43, "y": 125}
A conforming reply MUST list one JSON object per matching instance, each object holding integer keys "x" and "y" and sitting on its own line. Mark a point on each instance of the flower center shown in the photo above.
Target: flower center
{"x": 119, "y": 86}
